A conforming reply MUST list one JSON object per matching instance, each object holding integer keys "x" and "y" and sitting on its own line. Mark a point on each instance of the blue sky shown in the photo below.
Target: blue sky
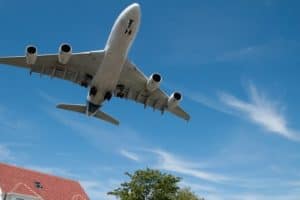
{"x": 236, "y": 62}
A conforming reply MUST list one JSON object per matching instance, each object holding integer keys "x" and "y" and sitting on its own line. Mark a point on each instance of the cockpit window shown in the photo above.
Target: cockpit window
{"x": 128, "y": 30}
{"x": 130, "y": 22}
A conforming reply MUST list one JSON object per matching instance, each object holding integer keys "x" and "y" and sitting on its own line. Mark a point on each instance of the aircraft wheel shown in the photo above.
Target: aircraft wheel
{"x": 107, "y": 96}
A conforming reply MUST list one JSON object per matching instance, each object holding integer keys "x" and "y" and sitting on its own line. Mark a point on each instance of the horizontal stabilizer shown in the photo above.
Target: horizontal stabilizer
{"x": 101, "y": 115}
{"x": 82, "y": 109}
{"x": 73, "y": 107}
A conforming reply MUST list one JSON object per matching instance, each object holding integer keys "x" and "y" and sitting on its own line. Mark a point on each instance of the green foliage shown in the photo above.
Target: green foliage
{"x": 187, "y": 194}
{"x": 152, "y": 185}
{"x": 148, "y": 185}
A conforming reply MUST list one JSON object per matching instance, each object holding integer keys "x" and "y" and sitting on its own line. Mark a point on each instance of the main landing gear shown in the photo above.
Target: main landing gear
{"x": 107, "y": 96}
{"x": 94, "y": 90}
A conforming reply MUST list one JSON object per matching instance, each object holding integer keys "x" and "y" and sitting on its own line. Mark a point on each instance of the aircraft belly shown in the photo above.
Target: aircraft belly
{"x": 107, "y": 77}
{"x": 116, "y": 50}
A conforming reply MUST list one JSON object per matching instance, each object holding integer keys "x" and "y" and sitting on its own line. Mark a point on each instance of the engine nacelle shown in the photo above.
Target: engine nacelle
{"x": 64, "y": 53}
{"x": 31, "y": 54}
{"x": 174, "y": 99}
{"x": 153, "y": 82}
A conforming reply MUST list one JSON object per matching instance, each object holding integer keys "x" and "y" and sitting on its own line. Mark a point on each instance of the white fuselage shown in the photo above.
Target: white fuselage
{"x": 116, "y": 50}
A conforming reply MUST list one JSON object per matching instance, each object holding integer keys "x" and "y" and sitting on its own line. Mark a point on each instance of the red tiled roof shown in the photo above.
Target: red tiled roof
{"x": 23, "y": 181}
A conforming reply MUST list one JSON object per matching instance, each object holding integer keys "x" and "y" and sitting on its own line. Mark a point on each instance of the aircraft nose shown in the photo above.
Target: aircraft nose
{"x": 135, "y": 9}
{"x": 135, "y": 6}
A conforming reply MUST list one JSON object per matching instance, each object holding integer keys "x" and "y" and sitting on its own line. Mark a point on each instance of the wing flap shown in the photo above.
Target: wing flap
{"x": 80, "y": 69}
{"x": 132, "y": 85}
{"x": 180, "y": 113}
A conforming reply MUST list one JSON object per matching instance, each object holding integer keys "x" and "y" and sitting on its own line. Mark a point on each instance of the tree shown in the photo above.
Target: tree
{"x": 151, "y": 184}
{"x": 148, "y": 185}
{"x": 187, "y": 194}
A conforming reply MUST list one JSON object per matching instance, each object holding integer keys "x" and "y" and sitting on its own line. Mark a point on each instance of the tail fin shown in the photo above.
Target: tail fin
{"x": 82, "y": 109}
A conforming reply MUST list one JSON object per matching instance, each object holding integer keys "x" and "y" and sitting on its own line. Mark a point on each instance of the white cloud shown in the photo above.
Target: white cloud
{"x": 129, "y": 155}
{"x": 251, "y": 196}
{"x": 99, "y": 133}
{"x": 261, "y": 111}
{"x": 241, "y": 53}
{"x": 97, "y": 190}
{"x": 196, "y": 187}
{"x": 5, "y": 153}
{"x": 208, "y": 102}
{"x": 94, "y": 189}
{"x": 14, "y": 120}
{"x": 172, "y": 163}
{"x": 258, "y": 109}
{"x": 52, "y": 170}
{"x": 49, "y": 98}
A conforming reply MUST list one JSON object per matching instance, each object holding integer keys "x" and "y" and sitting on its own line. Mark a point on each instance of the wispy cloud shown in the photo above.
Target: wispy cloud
{"x": 271, "y": 51}
{"x": 208, "y": 102}
{"x": 97, "y": 132}
{"x": 170, "y": 162}
{"x": 98, "y": 190}
{"x": 52, "y": 170}
{"x": 196, "y": 187}
{"x": 5, "y": 153}
{"x": 261, "y": 111}
{"x": 242, "y": 53}
{"x": 251, "y": 196}
{"x": 94, "y": 189}
{"x": 12, "y": 122}
{"x": 48, "y": 98}
{"x": 129, "y": 155}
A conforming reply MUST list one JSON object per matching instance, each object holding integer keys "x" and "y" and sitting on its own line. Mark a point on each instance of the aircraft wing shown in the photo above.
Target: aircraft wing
{"x": 132, "y": 85}
{"x": 80, "y": 68}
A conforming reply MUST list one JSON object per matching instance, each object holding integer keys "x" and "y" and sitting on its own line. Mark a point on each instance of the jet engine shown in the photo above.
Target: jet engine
{"x": 65, "y": 53}
{"x": 31, "y": 54}
{"x": 153, "y": 82}
{"x": 174, "y": 99}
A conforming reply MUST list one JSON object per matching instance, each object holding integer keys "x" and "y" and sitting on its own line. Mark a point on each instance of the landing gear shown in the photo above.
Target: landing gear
{"x": 128, "y": 31}
{"x": 93, "y": 91}
{"x": 107, "y": 96}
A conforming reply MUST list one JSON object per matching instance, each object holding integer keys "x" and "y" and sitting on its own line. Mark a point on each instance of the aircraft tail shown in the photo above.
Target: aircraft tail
{"x": 82, "y": 109}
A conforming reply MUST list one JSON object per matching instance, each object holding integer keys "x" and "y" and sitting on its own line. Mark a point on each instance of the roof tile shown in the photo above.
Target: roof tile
{"x": 23, "y": 181}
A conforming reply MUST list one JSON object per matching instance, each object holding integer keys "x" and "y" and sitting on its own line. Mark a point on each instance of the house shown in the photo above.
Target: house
{"x": 17, "y": 183}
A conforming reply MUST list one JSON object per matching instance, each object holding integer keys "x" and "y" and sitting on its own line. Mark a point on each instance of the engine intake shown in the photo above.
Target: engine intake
{"x": 31, "y": 54}
{"x": 65, "y": 53}
{"x": 174, "y": 100}
{"x": 153, "y": 82}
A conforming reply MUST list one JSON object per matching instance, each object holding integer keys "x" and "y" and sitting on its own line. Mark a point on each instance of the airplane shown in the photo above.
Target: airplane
{"x": 105, "y": 73}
